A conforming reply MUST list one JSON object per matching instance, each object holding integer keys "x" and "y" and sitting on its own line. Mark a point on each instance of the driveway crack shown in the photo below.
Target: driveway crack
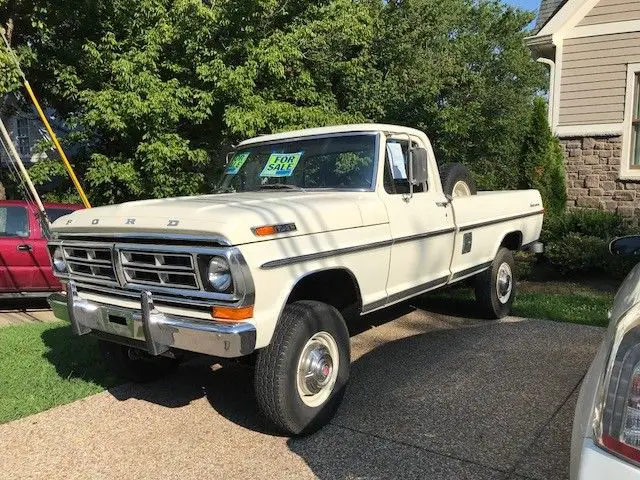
{"x": 421, "y": 448}
{"x": 538, "y": 434}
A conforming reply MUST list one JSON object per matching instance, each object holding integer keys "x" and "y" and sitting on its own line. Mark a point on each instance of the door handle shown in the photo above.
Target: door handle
{"x": 442, "y": 204}
{"x": 25, "y": 247}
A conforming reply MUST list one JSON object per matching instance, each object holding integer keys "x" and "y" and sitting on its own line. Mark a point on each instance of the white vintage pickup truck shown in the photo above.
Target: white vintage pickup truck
{"x": 306, "y": 230}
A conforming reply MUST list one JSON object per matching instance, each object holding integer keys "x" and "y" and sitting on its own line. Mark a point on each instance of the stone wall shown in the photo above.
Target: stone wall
{"x": 593, "y": 166}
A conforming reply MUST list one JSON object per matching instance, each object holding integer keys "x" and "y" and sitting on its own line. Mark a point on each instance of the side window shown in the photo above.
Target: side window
{"x": 396, "y": 180}
{"x": 14, "y": 222}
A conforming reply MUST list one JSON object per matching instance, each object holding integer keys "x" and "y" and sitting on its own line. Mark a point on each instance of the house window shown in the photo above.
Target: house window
{"x": 630, "y": 164}
{"x": 24, "y": 140}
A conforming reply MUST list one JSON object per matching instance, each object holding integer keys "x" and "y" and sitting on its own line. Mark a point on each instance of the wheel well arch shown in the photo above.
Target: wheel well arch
{"x": 337, "y": 287}
{"x": 512, "y": 240}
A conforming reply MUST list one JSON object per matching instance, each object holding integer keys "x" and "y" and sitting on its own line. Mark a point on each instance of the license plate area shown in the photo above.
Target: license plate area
{"x": 118, "y": 319}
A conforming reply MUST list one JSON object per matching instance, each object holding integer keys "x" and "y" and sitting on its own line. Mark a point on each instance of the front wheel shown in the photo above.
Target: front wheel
{"x": 301, "y": 375}
{"x": 496, "y": 287}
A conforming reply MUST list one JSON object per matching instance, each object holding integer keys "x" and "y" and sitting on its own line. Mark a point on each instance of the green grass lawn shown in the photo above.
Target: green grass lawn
{"x": 43, "y": 365}
{"x": 557, "y": 301}
{"x": 581, "y": 307}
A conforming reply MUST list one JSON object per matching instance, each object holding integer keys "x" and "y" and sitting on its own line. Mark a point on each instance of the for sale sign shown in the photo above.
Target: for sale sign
{"x": 281, "y": 164}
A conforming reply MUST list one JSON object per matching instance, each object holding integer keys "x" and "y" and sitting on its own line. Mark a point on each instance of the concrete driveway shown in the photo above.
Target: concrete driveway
{"x": 432, "y": 397}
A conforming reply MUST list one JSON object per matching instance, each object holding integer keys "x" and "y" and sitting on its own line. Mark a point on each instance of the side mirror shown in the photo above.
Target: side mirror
{"x": 629, "y": 245}
{"x": 418, "y": 166}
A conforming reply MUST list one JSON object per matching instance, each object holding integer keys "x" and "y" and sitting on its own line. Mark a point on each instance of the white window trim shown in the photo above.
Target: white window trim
{"x": 596, "y": 130}
{"x": 626, "y": 173}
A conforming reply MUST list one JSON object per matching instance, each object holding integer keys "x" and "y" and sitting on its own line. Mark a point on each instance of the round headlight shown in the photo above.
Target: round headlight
{"x": 219, "y": 275}
{"x": 59, "y": 263}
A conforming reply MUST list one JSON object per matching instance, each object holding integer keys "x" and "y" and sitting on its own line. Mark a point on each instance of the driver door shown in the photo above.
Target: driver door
{"x": 16, "y": 257}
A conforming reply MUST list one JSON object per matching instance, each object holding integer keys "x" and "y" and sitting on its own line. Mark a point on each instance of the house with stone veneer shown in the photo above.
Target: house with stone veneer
{"x": 592, "y": 50}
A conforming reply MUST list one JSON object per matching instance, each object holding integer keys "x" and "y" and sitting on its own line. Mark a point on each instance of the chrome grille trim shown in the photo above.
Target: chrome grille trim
{"x": 168, "y": 278}
{"x": 86, "y": 263}
{"x": 173, "y": 278}
{"x": 159, "y": 268}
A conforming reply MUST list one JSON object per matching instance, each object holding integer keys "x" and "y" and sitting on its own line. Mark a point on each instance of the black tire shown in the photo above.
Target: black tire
{"x": 486, "y": 286}
{"x": 134, "y": 364}
{"x": 276, "y": 370}
{"x": 452, "y": 173}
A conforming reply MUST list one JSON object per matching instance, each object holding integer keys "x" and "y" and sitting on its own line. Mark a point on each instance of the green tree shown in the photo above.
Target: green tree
{"x": 542, "y": 161}
{"x": 460, "y": 71}
{"x": 156, "y": 91}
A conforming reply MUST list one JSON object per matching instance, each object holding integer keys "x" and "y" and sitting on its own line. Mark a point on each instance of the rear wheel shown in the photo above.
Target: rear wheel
{"x": 496, "y": 287}
{"x": 301, "y": 375}
{"x": 135, "y": 364}
{"x": 457, "y": 181}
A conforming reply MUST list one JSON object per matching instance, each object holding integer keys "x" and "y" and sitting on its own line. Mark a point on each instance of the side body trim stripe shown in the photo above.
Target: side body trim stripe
{"x": 356, "y": 248}
{"x": 500, "y": 220}
{"x": 469, "y": 271}
{"x": 398, "y": 297}
{"x": 386, "y": 243}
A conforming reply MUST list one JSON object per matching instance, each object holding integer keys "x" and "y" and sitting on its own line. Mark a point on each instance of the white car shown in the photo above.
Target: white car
{"x": 606, "y": 428}
{"x": 308, "y": 229}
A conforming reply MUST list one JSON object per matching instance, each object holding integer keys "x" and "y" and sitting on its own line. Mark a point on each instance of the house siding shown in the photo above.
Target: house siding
{"x": 607, "y": 11}
{"x": 594, "y": 77}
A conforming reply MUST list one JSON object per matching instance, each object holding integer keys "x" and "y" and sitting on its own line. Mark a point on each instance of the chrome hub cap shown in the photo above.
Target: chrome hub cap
{"x": 461, "y": 189}
{"x": 317, "y": 369}
{"x": 504, "y": 283}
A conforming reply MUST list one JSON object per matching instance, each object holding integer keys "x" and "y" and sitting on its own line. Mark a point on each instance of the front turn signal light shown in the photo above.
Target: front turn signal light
{"x": 232, "y": 314}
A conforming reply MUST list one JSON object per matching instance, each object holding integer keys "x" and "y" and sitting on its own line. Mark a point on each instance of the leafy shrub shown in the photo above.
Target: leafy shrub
{"x": 542, "y": 161}
{"x": 577, "y": 242}
{"x": 595, "y": 223}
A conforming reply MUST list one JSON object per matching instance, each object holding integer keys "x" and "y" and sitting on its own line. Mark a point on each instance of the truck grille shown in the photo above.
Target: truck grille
{"x": 91, "y": 262}
{"x": 121, "y": 266}
{"x": 170, "y": 268}
{"x": 159, "y": 268}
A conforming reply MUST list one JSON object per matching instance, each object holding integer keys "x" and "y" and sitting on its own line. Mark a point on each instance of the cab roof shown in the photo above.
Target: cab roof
{"x": 355, "y": 128}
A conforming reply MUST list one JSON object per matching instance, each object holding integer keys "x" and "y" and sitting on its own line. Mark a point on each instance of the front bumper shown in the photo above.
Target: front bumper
{"x": 150, "y": 329}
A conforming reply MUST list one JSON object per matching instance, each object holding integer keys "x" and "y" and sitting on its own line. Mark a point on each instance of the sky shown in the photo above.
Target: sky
{"x": 527, "y": 4}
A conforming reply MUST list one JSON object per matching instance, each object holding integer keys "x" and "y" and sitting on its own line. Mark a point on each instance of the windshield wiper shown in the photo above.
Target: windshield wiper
{"x": 280, "y": 186}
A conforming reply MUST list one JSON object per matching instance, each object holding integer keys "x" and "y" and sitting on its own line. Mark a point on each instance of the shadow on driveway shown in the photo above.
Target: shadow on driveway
{"x": 427, "y": 398}
{"x": 460, "y": 403}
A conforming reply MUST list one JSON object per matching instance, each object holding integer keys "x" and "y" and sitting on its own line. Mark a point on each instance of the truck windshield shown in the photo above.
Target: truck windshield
{"x": 337, "y": 162}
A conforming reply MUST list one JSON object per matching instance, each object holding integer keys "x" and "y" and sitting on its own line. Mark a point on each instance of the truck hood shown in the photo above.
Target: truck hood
{"x": 231, "y": 216}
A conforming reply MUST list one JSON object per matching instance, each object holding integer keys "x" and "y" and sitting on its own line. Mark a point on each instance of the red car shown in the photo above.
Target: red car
{"x": 25, "y": 268}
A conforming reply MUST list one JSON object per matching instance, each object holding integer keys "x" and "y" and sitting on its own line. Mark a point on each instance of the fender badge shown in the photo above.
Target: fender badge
{"x": 130, "y": 221}
{"x": 173, "y": 223}
{"x": 95, "y": 221}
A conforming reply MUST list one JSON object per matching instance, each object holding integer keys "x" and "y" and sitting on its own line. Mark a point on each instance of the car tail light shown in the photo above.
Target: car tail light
{"x": 618, "y": 423}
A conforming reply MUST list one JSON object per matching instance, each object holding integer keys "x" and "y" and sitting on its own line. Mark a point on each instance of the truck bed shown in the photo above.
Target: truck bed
{"x": 484, "y": 220}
